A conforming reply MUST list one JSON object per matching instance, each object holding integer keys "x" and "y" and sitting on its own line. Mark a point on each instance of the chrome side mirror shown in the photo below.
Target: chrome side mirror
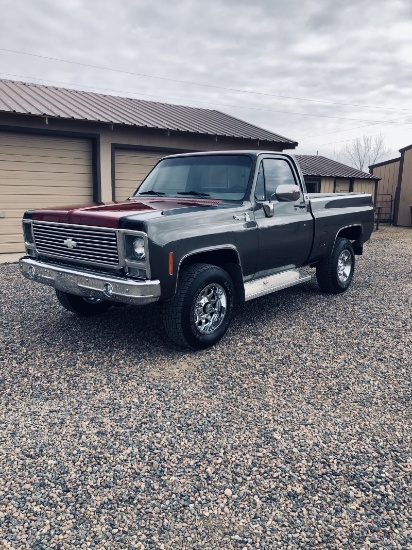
{"x": 287, "y": 193}
{"x": 284, "y": 193}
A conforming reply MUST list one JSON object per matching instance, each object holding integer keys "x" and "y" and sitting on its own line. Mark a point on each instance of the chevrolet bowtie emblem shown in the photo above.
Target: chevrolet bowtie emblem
{"x": 70, "y": 243}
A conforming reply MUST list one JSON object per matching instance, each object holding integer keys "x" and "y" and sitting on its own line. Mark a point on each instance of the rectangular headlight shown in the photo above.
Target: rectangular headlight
{"x": 136, "y": 252}
{"x": 28, "y": 232}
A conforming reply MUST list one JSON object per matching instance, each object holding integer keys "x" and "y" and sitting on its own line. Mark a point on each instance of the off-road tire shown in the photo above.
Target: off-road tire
{"x": 330, "y": 276}
{"x": 179, "y": 313}
{"x": 81, "y": 306}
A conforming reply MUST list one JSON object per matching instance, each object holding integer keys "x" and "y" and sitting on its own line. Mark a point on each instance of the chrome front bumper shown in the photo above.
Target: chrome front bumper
{"x": 91, "y": 285}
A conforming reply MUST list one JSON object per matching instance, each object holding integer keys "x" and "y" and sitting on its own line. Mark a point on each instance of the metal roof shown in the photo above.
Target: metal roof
{"x": 314, "y": 165}
{"x": 384, "y": 163}
{"x": 406, "y": 148}
{"x": 39, "y": 100}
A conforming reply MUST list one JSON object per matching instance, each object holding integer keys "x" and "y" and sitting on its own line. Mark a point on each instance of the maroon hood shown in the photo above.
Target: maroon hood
{"x": 108, "y": 215}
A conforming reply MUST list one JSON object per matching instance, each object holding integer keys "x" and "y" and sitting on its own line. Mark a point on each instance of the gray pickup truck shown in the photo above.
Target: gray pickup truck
{"x": 203, "y": 231}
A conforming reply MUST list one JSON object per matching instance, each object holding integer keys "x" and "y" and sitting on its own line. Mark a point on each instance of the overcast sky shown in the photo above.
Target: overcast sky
{"x": 275, "y": 64}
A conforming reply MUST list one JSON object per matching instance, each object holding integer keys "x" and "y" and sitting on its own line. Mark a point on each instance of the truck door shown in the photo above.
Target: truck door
{"x": 285, "y": 239}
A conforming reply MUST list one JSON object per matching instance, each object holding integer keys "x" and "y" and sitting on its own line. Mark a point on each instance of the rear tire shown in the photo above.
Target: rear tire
{"x": 81, "y": 306}
{"x": 199, "y": 314}
{"x": 335, "y": 273}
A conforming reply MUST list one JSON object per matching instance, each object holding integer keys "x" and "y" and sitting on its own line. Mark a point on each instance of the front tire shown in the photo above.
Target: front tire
{"x": 83, "y": 307}
{"x": 335, "y": 273}
{"x": 199, "y": 314}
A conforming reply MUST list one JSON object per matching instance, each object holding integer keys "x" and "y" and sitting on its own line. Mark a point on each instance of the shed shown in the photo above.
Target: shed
{"x": 396, "y": 175}
{"x": 388, "y": 172}
{"x": 60, "y": 146}
{"x": 324, "y": 175}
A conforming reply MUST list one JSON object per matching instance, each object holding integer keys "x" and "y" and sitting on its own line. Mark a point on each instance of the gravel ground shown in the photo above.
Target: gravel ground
{"x": 293, "y": 432}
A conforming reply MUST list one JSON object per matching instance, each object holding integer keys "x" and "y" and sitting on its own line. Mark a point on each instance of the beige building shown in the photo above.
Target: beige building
{"x": 66, "y": 147}
{"x": 396, "y": 185}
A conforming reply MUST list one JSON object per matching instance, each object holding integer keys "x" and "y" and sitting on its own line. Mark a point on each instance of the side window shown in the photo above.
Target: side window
{"x": 277, "y": 172}
{"x": 272, "y": 173}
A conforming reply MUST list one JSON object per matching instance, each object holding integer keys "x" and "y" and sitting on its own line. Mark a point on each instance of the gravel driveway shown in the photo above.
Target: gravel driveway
{"x": 293, "y": 432}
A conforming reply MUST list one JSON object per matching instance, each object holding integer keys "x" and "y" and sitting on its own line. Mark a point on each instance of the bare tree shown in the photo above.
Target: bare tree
{"x": 364, "y": 151}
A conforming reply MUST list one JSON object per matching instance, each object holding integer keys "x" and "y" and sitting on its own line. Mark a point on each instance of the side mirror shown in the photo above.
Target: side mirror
{"x": 287, "y": 193}
{"x": 284, "y": 193}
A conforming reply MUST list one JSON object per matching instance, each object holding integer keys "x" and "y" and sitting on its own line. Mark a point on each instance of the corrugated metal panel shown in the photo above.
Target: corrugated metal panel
{"x": 364, "y": 186}
{"x": 342, "y": 185}
{"x": 35, "y": 99}
{"x": 389, "y": 174}
{"x": 314, "y": 165}
{"x": 405, "y": 195}
{"x": 37, "y": 172}
{"x": 327, "y": 185}
{"x": 131, "y": 169}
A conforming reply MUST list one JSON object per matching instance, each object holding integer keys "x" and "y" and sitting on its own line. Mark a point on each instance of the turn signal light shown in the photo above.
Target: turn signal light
{"x": 170, "y": 263}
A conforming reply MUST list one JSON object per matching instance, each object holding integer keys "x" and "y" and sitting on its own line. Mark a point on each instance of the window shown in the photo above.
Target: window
{"x": 272, "y": 173}
{"x": 215, "y": 176}
{"x": 312, "y": 185}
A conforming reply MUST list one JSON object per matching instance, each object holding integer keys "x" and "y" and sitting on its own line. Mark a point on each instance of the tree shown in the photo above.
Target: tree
{"x": 364, "y": 151}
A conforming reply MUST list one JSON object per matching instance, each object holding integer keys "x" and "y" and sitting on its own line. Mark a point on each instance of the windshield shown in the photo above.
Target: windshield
{"x": 222, "y": 177}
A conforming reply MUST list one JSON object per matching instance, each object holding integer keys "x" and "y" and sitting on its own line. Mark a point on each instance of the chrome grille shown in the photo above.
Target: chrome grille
{"x": 88, "y": 245}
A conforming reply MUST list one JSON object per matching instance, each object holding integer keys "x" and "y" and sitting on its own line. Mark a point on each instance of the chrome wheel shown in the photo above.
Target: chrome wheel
{"x": 199, "y": 314}
{"x": 210, "y": 308}
{"x": 335, "y": 272}
{"x": 344, "y": 266}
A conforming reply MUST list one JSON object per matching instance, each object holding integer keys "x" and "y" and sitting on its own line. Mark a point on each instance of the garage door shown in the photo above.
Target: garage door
{"x": 38, "y": 171}
{"x": 131, "y": 168}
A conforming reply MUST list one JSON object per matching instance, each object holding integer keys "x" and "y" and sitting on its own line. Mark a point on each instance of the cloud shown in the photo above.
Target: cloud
{"x": 355, "y": 52}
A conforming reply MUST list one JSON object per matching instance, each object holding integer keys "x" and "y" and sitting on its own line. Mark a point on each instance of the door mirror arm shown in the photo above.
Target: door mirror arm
{"x": 269, "y": 207}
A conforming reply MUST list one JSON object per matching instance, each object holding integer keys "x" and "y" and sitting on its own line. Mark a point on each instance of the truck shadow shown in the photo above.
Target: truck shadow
{"x": 135, "y": 335}
{"x": 140, "y": 329}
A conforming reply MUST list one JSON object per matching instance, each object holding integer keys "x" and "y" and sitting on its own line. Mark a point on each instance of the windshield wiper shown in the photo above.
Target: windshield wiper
{"x": 193, "y": 193}
{"x": 157, "y": 193}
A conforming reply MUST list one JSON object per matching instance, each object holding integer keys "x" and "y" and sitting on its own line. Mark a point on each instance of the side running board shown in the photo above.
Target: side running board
{"x": 273, "y": 283}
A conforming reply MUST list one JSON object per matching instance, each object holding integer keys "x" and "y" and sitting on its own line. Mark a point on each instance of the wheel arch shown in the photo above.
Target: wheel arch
{"x": 353, "y": 233}
{"x": 226, "y": 257}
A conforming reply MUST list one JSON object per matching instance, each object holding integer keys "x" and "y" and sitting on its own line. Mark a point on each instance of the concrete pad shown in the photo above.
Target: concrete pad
{"x": 10, "y": 258}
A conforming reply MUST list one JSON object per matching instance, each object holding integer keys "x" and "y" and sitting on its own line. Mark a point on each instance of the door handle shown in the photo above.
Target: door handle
{"x": 244, "y": 217}
{"x": 299, "y": 205}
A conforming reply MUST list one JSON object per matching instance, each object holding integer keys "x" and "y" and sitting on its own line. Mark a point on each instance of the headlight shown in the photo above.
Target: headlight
{"x": 28, "y": 239}
{"x": 28, "y": 232}
{"x": 138, "y": 248}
